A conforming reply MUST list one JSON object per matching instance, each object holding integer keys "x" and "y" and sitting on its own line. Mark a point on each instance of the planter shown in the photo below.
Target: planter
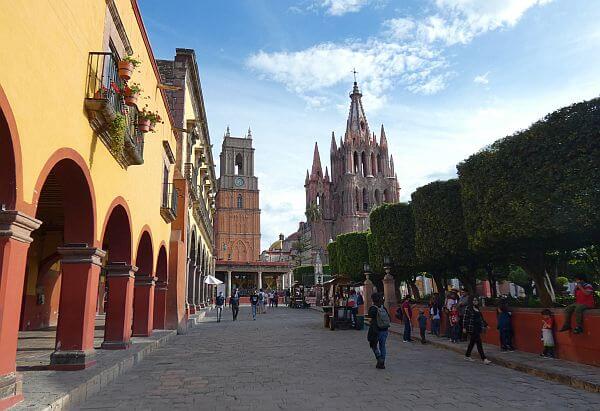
{"x": 152, "y": 126}
{"x": 144, "y": 125}
{"x": 131, "y": 98}
{"x": 125, "y": 70}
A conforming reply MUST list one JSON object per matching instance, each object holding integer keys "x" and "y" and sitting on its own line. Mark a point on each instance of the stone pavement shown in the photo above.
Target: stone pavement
{"x": 287, "y": 360}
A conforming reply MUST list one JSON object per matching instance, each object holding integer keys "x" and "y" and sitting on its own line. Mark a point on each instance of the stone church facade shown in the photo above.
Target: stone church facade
{"x": 362, "y": 177}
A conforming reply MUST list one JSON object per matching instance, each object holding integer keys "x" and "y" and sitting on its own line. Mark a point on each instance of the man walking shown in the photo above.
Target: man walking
{"x": 219, "y": 303}
{"x": 234, "y": 302}
{"x": 254, "y": 304}
{"x": 378, "y": 330}
{"x": 407, "y": 318}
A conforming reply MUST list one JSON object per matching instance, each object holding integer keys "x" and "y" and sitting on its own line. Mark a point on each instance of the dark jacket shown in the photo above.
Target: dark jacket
{"x": 473, "y": 321}
{"x": 254, "y": 299}
{"x": 422, "y": 321}
{"x": 373, "y": 332}
{"x": 504, "y": 322}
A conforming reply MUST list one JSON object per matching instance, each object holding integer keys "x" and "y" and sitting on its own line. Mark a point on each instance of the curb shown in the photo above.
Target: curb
{"x": 570, "y": 380}
{"x": 96, "y": 383}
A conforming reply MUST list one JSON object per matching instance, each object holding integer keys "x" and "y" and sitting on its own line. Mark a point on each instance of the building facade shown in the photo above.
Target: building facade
{"x": 362, "y": 177}
{"x": 194, "y": 172}
{"x": 94, "y": 207}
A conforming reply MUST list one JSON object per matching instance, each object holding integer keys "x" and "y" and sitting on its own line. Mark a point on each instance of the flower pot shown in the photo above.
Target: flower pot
{"x": 144, "y": 125}
{"x": 125, "y": 69}
{"x": 152, "y": 126}
{"x": 131, "y": 98}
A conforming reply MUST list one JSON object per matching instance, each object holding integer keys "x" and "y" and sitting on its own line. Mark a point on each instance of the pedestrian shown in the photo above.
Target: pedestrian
{"x": 463, "y": 302}
{"x": 505, "y": 327}
{"x": 473, "y": 326}
{"x": 261, "y": 301}
{"x": 453, "y": 320}
{"x": 219, "y": 303}
{"x": 547, "y": 334}
{"x": 584, "y": 299}
{"x": 288, "y": 294}
{"x": 406, "y": 318}
{"x": 434, "y": 314}
{"x": 449, "y": 302}
{"x": 352, "y": 306}
{"x": 378, "y": 330}
{"x": 422, "y": 325}
{"x": 254, "y": 304}
{"x": 234, "y": 303}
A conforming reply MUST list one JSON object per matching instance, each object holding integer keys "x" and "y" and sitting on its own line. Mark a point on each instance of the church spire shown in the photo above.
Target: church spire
{"x": 307, "y": 178}
{"x": 249, "y": 135}
{"x": 383, "y": 139}
{"x": 317, "y": 170}
{"x": 357, "y": 127}
{"x": 326, "y": 174}
{"x": 333, "y": 143}
{"x": 227, "y": 133}
{"x": 392, "y": 172}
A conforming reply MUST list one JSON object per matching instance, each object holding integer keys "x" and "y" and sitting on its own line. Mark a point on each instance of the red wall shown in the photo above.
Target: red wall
{"x": 527, "y": 324}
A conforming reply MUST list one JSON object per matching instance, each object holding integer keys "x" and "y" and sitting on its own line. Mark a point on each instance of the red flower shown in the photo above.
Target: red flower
{"x": 115, "y": 87}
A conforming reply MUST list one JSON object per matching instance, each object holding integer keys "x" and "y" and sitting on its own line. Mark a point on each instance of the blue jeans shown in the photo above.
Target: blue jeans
{"x": 254, "y": 311}
{"x": 435, "y": 327}
{"x": 407, "y": 329}
{"x": 379, "y": 346}
{"x": 455, "y": 332}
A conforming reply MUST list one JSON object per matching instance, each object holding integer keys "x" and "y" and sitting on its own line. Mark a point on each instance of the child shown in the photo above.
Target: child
{"x": 454, "y": 326}
{"x": 422, "y": 325}
{"x": 547, "y": 337}
{"x": 505, "y": 328}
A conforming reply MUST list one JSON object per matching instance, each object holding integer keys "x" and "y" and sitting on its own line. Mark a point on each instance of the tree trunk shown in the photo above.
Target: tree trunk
{"x": 439, "y": 284}
{"x": 534, "y": 265}
{"x": 492, "y": 280}
{"x": 414, "y": 290}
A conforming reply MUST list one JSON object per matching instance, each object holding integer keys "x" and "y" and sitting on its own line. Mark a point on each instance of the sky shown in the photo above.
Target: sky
{"x": 445, "y": 77}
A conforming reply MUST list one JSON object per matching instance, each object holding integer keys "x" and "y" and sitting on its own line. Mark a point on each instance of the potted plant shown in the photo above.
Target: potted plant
{"x": 126, "y": 66}
{"x": 143, "y": 121}
{"x": 154, "y": 118}
{"x": 131, "y": 93}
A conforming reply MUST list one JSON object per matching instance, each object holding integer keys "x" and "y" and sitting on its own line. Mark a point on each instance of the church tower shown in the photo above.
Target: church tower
{"x": 237, "y": 223}
{"x": 362, "y": 177}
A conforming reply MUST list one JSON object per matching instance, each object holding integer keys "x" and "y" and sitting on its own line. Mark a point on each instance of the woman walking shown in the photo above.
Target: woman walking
{"x": 378, "y": 330}
{"x": 473, "y": 326}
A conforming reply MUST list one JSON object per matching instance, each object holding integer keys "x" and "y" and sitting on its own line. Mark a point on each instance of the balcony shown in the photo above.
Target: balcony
{"x": 168, "y": 205}
{"x": 113, "y": 121}
{"x": 202, "y": 217}
{"x": 191, "y": 176}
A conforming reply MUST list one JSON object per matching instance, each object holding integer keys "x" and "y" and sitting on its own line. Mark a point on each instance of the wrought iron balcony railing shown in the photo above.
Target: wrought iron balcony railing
{"x": 191, "y": 176}
{"x": 168, "y": 205}
{"x": 104, "y": 104}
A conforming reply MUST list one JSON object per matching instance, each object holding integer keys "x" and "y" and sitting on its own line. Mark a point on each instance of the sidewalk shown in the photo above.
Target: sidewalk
{"x": 580, "y": 376}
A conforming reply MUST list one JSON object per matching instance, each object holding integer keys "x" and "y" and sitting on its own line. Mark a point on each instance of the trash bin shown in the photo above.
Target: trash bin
{"x": 360, "y": 322}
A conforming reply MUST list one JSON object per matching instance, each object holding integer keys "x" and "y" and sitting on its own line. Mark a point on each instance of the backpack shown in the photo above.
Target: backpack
{"x": 383, "y": 318}
{"x": 260, "y": 296}
{"x": 220, "y": 300}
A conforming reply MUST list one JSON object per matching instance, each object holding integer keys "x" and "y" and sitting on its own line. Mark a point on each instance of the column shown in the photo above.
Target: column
{"x": 228, "y": 283}
{"x": 80, "y": 267}
{"x": 190, "y": 287}
{"x": 197, "y": 286}
{"x": 119, "y": 310}
{"x": 143, "y": 306}
{"x": 259, "y": 280}
{"x": 160, "y": 305}
{"x": 368, "y": 292}
{"x": 15, "y": 230}
{"x": 389, "y": 291}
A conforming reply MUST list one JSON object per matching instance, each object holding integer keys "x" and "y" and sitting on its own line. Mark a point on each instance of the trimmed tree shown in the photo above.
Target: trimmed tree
{"x": 332, "y": 253}
{"x": 352, "y": 252}
{"x": 440, "y": 238}
{"x": 536, "y": 191}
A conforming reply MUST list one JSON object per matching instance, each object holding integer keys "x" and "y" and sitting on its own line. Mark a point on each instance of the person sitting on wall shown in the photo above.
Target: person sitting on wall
{"x": 584, "y": 299}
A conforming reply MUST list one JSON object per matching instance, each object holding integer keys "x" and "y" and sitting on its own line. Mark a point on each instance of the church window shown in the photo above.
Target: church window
{"x": 377, "y": 197}
{"x": 239, "y": 164}
{"x": 318, "y": 200}
{"x": 373, "y": 165}
{"x": 386, "y": 196}
{"x": 356, "y": 163}
{"x": 365, "y": 198}
{"x": 357, "y": 196}
{"x": 362, "y": 126}
{"x": 365, "y": 169}
{"x": 343, "y": 198}
{"x": 379, "y": 167}
{"x": 240, "y": 201}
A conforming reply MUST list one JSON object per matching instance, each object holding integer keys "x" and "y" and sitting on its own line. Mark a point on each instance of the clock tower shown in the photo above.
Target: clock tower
{"x": 237, "y": 223}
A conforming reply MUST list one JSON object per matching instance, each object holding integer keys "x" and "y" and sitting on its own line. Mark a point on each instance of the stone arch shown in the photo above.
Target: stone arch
{"x": 363, "y": 162}
{"x": 239, "y": 164}
{"x": 356, "y": 164}
{"x": 379, "y": 165}
{"x": 365, "y": 200}
{"x": 373, "y": 165}
{"x": 192, "y": 254}
{"x": 143, "y": 297}
{"x": 386, "y": 196}
{"x": 8, "y": 156}
{"x": 160, "y": 291}
{"x": 239, "y": 252}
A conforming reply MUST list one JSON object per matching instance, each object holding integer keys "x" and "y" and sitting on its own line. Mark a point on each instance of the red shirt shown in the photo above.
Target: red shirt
{"x": 548, "y": 323}
{"x": 585, "y": 299}
{"x": 406, "y": 308}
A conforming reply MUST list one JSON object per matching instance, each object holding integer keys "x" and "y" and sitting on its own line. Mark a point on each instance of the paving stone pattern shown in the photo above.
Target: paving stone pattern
{"x": 287, "y": 360}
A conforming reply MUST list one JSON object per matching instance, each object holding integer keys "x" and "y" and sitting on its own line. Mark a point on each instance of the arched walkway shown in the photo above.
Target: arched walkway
{"x": 117, "y": 290}
{"x": 160, "y": 290}
{"x": 191, "y": 277}
{"x": 143, "y": 297}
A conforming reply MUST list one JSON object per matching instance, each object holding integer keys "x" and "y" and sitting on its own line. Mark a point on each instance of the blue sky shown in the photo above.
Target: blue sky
{"x": 446, "y": 77}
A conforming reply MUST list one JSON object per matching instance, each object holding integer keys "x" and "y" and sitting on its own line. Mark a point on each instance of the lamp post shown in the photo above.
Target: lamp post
{"x": 389, "y": 292}
{"x": 367, "y": 287}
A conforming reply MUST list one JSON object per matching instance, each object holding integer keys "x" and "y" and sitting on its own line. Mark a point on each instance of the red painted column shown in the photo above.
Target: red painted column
{"x": 160, "y": 305}
{"x": 15, "y": 230}
{"x": 119, "y": 308}
{"x": 77, "y": 309}
{"x": 143, "y": 306}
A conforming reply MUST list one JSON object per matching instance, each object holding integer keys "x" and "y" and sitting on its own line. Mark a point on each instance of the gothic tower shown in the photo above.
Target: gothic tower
{"x": 237, "y": 223}
{"x": 362, "y": 177}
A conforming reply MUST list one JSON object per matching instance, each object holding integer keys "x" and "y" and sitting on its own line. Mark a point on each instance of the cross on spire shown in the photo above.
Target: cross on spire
{"x": 355, "y": 73}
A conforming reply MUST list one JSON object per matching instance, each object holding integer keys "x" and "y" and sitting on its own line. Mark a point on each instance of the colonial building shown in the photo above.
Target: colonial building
{"x": 194, "y": 172}
{"x": 95, "y": 203}
{"x": 362, "y": 177}
{"x": 237, "y": 223}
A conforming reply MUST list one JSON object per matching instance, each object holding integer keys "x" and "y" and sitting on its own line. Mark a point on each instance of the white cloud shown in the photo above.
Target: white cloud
{"x": 482, "y": 78}
{"x": 341, "y": 7}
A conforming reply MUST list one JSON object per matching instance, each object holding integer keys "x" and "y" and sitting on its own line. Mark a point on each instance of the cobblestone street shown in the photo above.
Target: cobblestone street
{"x": 286, "y": 360}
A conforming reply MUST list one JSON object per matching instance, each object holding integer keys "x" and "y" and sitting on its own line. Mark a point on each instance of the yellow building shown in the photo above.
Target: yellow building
{"x": 93, "y": 199}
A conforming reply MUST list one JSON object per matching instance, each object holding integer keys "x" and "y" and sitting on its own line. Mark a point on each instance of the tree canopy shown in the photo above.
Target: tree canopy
{"x": 352, "y": 252}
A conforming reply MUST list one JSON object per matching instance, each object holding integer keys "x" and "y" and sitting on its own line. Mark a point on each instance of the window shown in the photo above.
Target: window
{"x": 365, "y": 169}
{"x": 379, "y": 167}
{"x": 365, "y": 199}
{"x": 356, "y": 163}
{"x": 240, "y": 201}
{"x": 239, "y": 165}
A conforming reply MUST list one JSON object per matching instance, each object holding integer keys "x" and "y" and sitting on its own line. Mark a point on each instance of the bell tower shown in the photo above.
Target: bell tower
{"x": 237, "y": 224}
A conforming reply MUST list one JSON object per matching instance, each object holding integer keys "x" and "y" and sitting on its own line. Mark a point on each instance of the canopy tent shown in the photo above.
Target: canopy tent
{"x": 211, "y": 279}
